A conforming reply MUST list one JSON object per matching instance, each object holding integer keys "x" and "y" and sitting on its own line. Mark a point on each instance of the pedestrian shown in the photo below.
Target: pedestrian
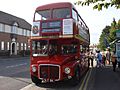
{"x": 87, "y": 56}
{"x": 91, "y": 58}
{"x": 114, "y": 60}
{"x": 119, "y": 64}
{"x": 118, "y": 58}
{"x": 99, "y": 59}
{"x": 103, "y": 58}
{"x": 108, "y": 56}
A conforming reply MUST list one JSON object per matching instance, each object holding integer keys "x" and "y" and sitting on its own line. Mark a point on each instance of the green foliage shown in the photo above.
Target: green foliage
{"x": 98, "y": 4}
{"x": 109, "y": 33}
{"x": 104, "y": 38}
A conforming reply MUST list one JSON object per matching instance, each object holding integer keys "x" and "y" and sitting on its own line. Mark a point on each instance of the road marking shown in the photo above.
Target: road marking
{"x": 85, "y": 87}
{"x": 17, "y": 65}
{"x": 85, "y": 80}
{"x": 33, "y": 87}
{"x": 27, "y": 87}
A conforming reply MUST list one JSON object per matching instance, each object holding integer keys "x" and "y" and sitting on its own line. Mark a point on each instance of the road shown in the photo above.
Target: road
{"x": 104, "y": 78}
{"x": 14, "y": 75}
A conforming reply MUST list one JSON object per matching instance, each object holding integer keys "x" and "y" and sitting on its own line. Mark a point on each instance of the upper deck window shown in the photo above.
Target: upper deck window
{"x": 61, "y": 13}
{"x": 42, "y": 15}
{"x": 74, "y": 14}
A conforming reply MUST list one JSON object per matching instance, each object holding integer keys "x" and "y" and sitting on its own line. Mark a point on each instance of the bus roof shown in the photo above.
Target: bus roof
{"x": 55, "y": 5}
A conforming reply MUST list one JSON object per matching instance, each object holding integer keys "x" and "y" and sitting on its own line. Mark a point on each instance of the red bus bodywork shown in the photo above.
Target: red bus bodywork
{"x": 67, "y": 34}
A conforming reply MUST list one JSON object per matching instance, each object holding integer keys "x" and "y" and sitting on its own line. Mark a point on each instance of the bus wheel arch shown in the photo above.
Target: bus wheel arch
{"x": 77, "y": 73}
{"x": 36, "y": 80}
{"x": 76, "y": 77}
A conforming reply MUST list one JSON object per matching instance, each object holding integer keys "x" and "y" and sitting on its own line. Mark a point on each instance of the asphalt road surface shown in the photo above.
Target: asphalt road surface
{"x": 104, "y": 78}
{"x": 14, "y": 75}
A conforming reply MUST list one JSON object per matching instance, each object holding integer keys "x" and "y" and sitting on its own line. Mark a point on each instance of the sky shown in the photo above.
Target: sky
{"x": 95, "y": 20}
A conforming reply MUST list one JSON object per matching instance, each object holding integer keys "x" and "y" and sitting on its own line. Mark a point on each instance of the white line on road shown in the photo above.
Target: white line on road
{"x": 85, "y": 80}
{"x": 17, "y": 65}
{"x": 33, "y": 87}
{"x": 85, "y": 87}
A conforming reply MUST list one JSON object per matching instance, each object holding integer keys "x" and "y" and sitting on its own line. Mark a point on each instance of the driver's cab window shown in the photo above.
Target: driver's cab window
{"x": 40, "y": 47}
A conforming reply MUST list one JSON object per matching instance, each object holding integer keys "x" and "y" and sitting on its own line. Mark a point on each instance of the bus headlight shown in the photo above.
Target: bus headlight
{"x": 34, "y": 69}
{"x": 67, "y": 70}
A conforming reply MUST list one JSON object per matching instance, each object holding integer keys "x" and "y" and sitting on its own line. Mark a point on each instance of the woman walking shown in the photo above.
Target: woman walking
{"x": 114, "y": 60}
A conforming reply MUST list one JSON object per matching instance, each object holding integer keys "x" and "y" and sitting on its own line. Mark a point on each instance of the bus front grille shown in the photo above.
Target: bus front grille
{"x": 49, "y": 72}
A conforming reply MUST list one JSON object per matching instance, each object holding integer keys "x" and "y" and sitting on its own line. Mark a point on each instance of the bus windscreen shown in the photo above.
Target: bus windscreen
{"x": 61, "y": 13}
{"x": 56, "y": 13}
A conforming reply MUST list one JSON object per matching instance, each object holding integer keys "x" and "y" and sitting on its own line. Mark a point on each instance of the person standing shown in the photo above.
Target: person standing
{"x": 87, "y": 56}
{"x": 114, "y": 61}
{"x": 108, "y": 56}
{"x": 103, "y": 58}
{"x": 91, "y": 57}
{"x": 118, "y": 58}
{"x": 99, "y": 59}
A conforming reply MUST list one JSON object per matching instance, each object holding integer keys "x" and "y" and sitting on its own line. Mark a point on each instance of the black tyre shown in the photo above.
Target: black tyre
{"x": 35, "y": 80}
{"x": 77, "y": 75}
{"x": 76, "y": 78}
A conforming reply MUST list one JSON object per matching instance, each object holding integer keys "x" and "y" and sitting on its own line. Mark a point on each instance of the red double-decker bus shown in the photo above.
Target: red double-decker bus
{"x": 59, "y": 40}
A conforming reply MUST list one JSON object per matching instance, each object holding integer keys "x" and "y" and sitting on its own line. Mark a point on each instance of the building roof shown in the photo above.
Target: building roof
{"x": 10, "y": 20}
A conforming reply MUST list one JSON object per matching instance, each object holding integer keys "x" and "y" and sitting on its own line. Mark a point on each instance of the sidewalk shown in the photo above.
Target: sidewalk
{"x": 103, "y": 78}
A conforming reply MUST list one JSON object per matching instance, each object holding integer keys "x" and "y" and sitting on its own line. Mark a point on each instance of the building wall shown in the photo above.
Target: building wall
{"x": 13, "y": 40}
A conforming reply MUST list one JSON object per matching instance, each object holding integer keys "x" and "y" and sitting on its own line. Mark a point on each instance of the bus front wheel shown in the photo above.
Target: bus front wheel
{"x": 35, "y": 80}
{"x": 76, "y": 77}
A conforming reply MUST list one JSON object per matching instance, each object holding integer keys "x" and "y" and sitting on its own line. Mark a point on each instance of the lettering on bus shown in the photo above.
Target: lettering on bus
{"x": 51, "y": 26}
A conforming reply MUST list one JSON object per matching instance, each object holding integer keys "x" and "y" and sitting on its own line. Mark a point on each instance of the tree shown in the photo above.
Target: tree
{"x": 108, "y": 35}
{"x": 99, "y": 4}
{"x": 114, "y": 26}
{"x": 103, "y": 41}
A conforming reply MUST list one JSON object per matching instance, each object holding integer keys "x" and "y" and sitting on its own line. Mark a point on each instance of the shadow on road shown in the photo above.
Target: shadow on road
{"x": 61, "y": 85}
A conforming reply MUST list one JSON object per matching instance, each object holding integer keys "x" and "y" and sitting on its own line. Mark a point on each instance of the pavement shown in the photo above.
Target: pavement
{"x": 104, "y": 78}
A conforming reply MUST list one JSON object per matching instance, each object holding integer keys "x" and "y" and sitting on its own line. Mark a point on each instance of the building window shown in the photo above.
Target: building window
{"x": 2, "y": 27}
{"x": 8, "y": 46}
{"x": 28, "y": 47}
{"x": 25, "y": 32}
{"x": 19, "y": 31}
{"x": 22, "y": 31}
{"x": 21, "y": 46}
{"x": 25, "y": 46}
{"x": 7, "y": 28}
{"x": 2, "y": 45}
{"x": 17, "y": 46}
{"x": 14, "y": 28}
{"x": 28, "y": 33}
